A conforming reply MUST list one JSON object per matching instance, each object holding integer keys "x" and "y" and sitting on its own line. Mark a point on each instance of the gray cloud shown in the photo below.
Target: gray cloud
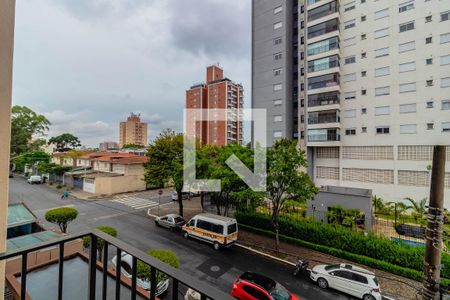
{"x": 212, "y": 28}
{"x": 81, "y": 63}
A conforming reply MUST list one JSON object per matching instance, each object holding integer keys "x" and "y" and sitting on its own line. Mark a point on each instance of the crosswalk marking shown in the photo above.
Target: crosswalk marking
{"x": 135, "y": 202}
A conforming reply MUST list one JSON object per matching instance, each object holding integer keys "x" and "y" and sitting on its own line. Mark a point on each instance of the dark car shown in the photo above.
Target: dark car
{"x": 171, "y": 221}
{"x": 253, "y": 286}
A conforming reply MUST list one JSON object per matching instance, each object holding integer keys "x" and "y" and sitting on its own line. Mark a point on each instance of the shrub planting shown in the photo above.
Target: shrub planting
{"x": 345, "y": 243}
{"x": 61, "y": 216}
{"x": 166, "y": 256}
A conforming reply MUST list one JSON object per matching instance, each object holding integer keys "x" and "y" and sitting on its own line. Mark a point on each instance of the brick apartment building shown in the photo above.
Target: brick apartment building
{"x": 133, "y": 131}
{"x": 217, "y": 93}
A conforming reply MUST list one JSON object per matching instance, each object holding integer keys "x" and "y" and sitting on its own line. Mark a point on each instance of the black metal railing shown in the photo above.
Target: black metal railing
{"x": 178, "y": 277}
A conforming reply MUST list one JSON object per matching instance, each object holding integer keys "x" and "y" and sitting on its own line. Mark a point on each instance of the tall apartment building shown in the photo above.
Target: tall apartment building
{"x": 105, "y": 146}
{"x": 133, "y": 131}
{"x": 366, "y": 84}
{"x": 221, "y": 93}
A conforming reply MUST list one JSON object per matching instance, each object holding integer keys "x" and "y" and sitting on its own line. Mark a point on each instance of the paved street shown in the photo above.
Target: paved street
{"x": 219, "y": 268}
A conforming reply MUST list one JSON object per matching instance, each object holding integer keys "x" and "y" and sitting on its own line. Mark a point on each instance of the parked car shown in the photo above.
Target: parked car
{"x": 171, "y": 221}
{"x": 218, "y": 230}
{"x": 251, "y": 286}
{"x": 352, "y": 280}
{"x": 184, "y": 195}
{"x": 127, "y": 262}
{"x": 35, "y": 179}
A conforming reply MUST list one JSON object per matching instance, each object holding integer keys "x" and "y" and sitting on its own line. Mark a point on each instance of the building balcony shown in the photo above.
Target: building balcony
{"x": 319, "y": 101}
{"x": 98, "y": 276}
{"x": 322, "y": 11}
{"x": 324, "y": 135}
{"x": 323, "y": 117}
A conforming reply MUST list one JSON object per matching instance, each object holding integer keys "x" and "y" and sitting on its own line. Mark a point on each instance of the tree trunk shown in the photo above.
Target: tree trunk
{"x": 202, "y": 199}
{"x": 180, "y": 203}
{"x": 100, "y": 255}
{"x": 277, "y": 237}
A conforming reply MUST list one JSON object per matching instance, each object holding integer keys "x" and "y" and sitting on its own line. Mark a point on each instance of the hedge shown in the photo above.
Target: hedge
{"x": 370, "y": 250}
{"x": 166, "y": 256}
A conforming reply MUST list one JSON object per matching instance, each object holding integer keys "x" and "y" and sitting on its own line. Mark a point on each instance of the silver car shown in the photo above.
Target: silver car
{"x": 125, "y": 268}
{"x": 171, "y": 221}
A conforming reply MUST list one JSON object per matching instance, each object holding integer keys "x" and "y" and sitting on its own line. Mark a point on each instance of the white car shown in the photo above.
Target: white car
{"x": 349, "y": 279}
{"x": 192, "y": 295}
{"x": 35, "y": 179}
{"x": 184, "y": 195}
{"x": 127, "y": 262}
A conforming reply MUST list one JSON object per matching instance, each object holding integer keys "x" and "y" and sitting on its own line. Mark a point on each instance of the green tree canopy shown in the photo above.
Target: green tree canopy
{"x": 65, "y": 142}
{"x": 132, "y": 146}
{"x": 286, "y": 178}
{"x": 100, "y": 242}
{"x": 25, "y": 124}
{"x": 166, "y": 256}
{"x": 165, "y": 164}
{"x": 61, "y": 216}
{"x": 30, "y": 158}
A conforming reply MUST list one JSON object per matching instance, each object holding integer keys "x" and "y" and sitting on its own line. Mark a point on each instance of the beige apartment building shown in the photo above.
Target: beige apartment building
{"x": 363, "y": 85}
{"x": 6, "y": 62}
{"x": 133, "y": 131}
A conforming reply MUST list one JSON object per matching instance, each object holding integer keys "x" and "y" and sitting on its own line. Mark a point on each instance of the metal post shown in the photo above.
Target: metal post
{"x": 105, "y": 271}
{"x": 433, "y": 234}
{"x": 61, "y": 271}
{"x": 118, "y": 272}
{"x": 92, "y": 266}
{"x": 23, "y": 277}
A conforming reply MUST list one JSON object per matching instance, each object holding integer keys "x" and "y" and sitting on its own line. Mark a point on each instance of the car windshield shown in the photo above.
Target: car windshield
{"x": 332, "y": 267}
{"x": 179, "y": 219}
{"x": 232, "y": 228}
{"x": 279, "y": 292}
{"x": 376, "y": 281}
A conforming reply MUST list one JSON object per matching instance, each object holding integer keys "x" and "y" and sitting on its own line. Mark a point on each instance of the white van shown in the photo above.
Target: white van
{"x": 218, "y": 230}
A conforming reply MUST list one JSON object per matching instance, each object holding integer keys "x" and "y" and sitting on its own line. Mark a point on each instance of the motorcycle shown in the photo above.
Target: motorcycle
{"x": 301, "y": 266}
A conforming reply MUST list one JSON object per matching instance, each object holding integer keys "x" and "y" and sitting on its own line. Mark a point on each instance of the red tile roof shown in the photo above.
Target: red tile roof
{"x": 118, "y": 158}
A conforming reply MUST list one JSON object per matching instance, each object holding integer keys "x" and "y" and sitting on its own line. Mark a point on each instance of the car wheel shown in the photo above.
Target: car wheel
{"x": 322, "y": 283}
{"x": 216, "y": 246}
{"x": 171, "y": 228}
{"x": 186, "y": 235}
{"x": 156, "y": 223}
{"x": 368, "y": 297}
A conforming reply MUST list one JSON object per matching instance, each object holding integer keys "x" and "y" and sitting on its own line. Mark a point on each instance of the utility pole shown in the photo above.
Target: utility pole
{"x": 433, "y": 234}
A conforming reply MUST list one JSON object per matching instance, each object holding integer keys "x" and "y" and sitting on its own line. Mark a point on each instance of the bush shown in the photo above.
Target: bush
{"x": 59, "y": 186}
{"x": 336, "y": 240}
{"x": 61, "y": 216}
{"x": 100, "y": 242}
{"x": 166, "y": 256}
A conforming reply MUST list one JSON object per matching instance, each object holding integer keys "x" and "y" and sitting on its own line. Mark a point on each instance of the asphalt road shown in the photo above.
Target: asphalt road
{"x": 218, "y": 268}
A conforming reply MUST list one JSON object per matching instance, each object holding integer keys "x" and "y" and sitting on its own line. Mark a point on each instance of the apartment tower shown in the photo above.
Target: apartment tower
{"x": 363, "y": 85}
{"x": 218, "y": 93}
{"x": 133, "y": 131}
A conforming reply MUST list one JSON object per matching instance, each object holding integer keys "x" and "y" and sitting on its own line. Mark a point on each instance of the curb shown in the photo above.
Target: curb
{"x": 265, "y": 254}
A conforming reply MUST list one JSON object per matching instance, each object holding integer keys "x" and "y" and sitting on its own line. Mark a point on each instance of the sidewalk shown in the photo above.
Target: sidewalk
{"x": 392, "y": 285}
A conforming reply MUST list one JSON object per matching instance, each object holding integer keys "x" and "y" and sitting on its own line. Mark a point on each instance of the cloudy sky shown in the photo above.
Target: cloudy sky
{"x": 86, "y": 64}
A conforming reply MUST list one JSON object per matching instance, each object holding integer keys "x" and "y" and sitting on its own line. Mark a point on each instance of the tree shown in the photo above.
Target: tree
{"x": 132, "y": 146}
{"x": 65, "y": 142}
{"x": 30, "y": 158}
{"x": 419, "y": 208}
{"x": 286, "y": 179}
{"x": 143, "y": 270}
{"x": 25, "y": 124}
{"x": 100, "y": 242}
{"x": 61, "y": 216}
{"x": 378, "y": 204}
{"x": 165, "y": 163}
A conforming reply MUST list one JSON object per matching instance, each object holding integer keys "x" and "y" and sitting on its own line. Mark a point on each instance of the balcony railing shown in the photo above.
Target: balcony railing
{"x": 323, "y": 99}
{"x": 178, "y": 277}
{"x": 323, "y": 117}
{"x": 323, "y": 66}
{"x": 323, "y": 135}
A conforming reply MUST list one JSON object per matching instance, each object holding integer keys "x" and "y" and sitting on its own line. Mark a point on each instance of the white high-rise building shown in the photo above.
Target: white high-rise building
{"x": 375, "y": 88}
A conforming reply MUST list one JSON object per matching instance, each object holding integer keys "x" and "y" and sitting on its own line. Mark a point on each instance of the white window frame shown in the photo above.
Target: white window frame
{"x": 278, "y": 9}
{"x": 277, "y": 71}
{"x": 406, "y": 26}
{"x": 277, "y": 118}
{"x": 445, "y": 38}
{"x": 384, "y": 71}
{"x": 408, "y": 129}
{"x": 445, "y": 60}
{"x": 382, "y": 110}
{"x": 381, "y": 33}
{"x": 349, "y": 113}
{"x": 349, "y": 42}
{"x": 349, "y": 6}
{"x": 382, "y": 14}
{"x": 407, "y": 87}
{"x": 407, "y": 67}
{"x": 406, "y": 5}
{"x": 350, "y": 95}
{"x": 350, "y": 24}
{"x": 349, "y": 77}
{"x": 445, "y": 82}
{"x": 277, "y": 102}
{"x": 277, "y": 134}
{"x": 409, "y": 46}
{"x": 382, "y": 52}
{"x": 352, "y": 58}
{"x": 445, "y": 126}
{"x": 445, "y": 104}
{"x": 382, "y": 91}
{"x": 277, "y": 25}
{"x": 408, "y": 108}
